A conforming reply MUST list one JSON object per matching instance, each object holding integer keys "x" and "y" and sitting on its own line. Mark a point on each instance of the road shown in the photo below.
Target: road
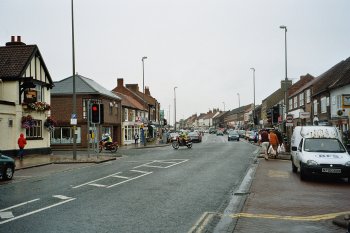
{"x": 146, "y": 190}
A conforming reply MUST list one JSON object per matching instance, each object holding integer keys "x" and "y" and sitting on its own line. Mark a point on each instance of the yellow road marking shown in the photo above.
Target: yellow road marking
{"x": 292, "y": 218}
{"x": 278, "y": 174}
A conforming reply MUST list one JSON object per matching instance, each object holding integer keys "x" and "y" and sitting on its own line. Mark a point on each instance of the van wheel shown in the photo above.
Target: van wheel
{"x": 303, "y": 175}
{"x": 294, "y": 168}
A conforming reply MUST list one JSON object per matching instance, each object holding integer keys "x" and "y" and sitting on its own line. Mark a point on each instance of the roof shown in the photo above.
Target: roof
{"x": 300, "y": 83}
{"x": 337, "y": 76}
{"x": 83, "y": 85}
{"x": 14, "y": 60}
{"x": 128, "y": 101}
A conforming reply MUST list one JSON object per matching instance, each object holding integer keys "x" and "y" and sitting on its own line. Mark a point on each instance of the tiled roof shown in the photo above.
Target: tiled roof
{"x": 83, "y": 85}
{"x": 336, "y": 76}
{"x": 302, "y": 82}
{"x": 128, "y": 101}
{"x": 13, "y": 59}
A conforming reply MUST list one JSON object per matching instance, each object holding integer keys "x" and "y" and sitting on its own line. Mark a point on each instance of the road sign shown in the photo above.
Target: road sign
{"x": 289, "y": 120}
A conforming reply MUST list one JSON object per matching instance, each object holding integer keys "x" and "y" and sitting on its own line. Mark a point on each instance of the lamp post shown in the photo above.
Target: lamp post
{"x": 239, "y": 106}
{"x": 224, "y": 106}
{"x": 285, "y": 60}
{"x": 254, "y": 95}
{"x": 143, "y": 81}
{"x": 175, "y": 109}
{"x": 74, "y": 94}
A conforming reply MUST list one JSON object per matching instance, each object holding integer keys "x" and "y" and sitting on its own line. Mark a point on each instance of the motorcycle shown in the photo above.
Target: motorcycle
{"x": 181, "y": 142}
{"x": 112, "y": 147}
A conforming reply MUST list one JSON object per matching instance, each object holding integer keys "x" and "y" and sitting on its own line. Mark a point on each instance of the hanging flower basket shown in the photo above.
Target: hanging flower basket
{"x": 27, "y": 122}
{"x": 38, "y": 106}
{"x": 50, "y": 123}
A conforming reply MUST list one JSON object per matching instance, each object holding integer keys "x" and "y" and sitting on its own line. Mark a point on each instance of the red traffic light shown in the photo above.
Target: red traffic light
{"x": 94, "y": 108}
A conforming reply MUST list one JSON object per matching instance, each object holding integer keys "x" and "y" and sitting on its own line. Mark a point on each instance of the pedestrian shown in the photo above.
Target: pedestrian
{"x": 22, "y": 142}
{"x": 265, "y": 142}
{"x": 136, "y": 137}
{"x": 274, "y": 141}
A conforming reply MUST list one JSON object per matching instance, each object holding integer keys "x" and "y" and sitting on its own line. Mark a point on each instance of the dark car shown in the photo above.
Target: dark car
{"x": 7, "y": 167}
{"x": 233, "y": 136}
{"x": 195, "y": 136}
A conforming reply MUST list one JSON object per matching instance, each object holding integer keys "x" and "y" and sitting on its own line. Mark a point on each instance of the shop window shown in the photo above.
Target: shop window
{"x": 64, "y": 135}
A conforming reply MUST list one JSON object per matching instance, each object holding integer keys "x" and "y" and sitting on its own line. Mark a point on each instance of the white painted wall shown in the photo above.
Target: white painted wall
{"x": 333, "y": 100}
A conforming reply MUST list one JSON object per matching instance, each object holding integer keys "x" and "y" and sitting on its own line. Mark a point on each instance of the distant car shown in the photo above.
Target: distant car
{"x": 7, "y": 167}
{"x": 212, "y": 130}
{"x": 241, "y": 133}
{"x": 195, "y": 136}
{"x": 219, "y": 133}
{"x": 233, "y": 136}
{"x": 252, "y": 136}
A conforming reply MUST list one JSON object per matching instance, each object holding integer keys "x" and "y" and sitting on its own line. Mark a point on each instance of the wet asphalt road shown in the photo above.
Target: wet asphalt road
{"x": 147, "y": 190}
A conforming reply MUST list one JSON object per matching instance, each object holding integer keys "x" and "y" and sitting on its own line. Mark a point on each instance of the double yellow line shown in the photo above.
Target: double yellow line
{"x": 291, "y": 218}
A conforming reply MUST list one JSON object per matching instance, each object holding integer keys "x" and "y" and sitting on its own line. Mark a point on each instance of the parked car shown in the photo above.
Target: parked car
{"x": 318, "y": 150}
{"x": 7, "y": 167}
{"x": 195, "y": 136}
{"x": 212, "y": 130}
{"x": 233, "y": 135}
{"x": 219, "y": 133}
{"x": 241, "y": 133}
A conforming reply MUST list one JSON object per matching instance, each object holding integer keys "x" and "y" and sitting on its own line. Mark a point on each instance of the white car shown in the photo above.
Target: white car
{"x": 318, "y": 150}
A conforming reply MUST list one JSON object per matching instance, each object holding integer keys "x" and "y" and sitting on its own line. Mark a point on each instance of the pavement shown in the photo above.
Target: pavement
{"x": 272, "y": 201}
{"x": 82, "y": 156}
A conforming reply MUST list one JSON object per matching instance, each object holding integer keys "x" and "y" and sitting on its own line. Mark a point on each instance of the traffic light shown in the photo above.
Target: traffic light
{"x": 269, "y": 115}
{"x": 275, "y": 114}
{"x": 165, "y": 122}
{"x": 95, "y": 113}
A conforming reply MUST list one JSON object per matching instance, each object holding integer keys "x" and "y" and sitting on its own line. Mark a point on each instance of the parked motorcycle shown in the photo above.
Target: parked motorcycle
{"x": 112, "y": 147}
{"x": 180, "y": 142}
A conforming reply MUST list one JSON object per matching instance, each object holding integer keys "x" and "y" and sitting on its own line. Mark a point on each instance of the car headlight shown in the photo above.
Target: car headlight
{"x": 347, "y": 164}
{"x": 311, "y": 163}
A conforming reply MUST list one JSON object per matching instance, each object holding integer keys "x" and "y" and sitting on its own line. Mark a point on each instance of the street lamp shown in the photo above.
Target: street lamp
{"x": 285, "y": 60}
{"x": 224, "y": 106}
{"x": 239, "y": 106}
{"x": 175, "y": 109}
{"x": 74, "y": 93}
{"x": 143, "y": 83}
{"x": 254, "y": 95}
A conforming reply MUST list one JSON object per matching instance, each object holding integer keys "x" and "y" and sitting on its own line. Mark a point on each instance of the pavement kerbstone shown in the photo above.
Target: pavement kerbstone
{"x": 342, "y": 221}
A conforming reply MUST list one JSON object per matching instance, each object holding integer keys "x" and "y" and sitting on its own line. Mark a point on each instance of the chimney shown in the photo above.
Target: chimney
{"x": 120, "y": 82}
{"x": 147, "y": 91}
{"x": 133, "y": 87}
{"x": 15, "y": 41}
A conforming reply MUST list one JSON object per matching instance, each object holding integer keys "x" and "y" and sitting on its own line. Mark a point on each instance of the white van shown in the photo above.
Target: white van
{"x": 318, "y": 150}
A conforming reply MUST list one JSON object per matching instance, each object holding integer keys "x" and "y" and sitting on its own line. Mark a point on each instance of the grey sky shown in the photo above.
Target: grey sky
{"x": 204, "y": 47}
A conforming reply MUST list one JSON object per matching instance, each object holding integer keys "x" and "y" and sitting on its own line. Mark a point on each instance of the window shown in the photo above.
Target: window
{"x": 290, "y": 103}
{"x": 39, "y": 95}
{"x": 301, "y": 99}
{"x": 64, "y": 135}
{"x": 315, "y": 107}
{"x": 125, "y": 114}
{"x": 308, "y": 96}
{"x": 323, "y": 104}
{"x": 35, "y": 131}
{"x": 295, "y": 101}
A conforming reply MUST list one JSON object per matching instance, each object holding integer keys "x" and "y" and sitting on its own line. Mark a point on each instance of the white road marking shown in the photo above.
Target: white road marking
{"x": 7, "y": 214}
{"x": 62, "y": 197}
{"x": 145, "y": 174}
{"x": 98, "y": 185}
{"x": 36, "y": 211}
{"x": 121, "y": 177}
{"x": 23, "y": 203}
{"x": 93, "y": 181}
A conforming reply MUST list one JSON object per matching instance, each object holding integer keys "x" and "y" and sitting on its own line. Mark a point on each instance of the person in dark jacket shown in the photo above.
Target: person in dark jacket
{"x": 22, "y": 142}
{"x": 265, "y": 142}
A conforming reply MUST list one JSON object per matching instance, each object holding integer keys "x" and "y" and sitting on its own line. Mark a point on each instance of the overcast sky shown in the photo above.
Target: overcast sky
{"x": 204, "y": 47}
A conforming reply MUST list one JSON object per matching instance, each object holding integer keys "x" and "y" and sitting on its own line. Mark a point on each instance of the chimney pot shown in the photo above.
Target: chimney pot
{"x": 12, "y": 38}
{"x": 18, "y": 38}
